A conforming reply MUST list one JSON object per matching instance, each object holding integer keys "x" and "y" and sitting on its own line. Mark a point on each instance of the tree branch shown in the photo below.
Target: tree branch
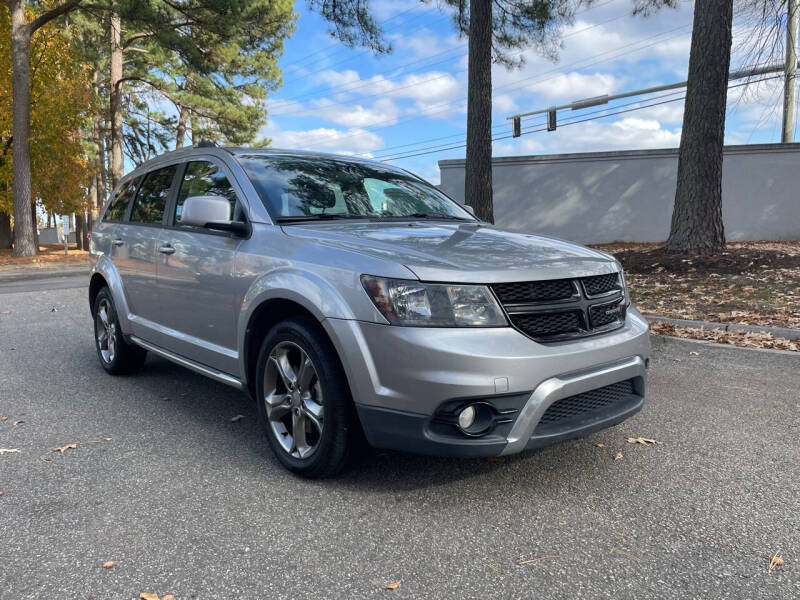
{"x": 45, "y": 18}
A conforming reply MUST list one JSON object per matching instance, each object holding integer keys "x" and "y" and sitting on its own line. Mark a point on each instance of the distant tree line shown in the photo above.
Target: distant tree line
{"x": 85, "y": 84}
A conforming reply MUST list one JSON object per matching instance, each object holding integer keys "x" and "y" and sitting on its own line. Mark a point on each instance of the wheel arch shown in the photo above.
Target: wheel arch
{"x": 96, "y": 283}
{"x": 104, "y": 273}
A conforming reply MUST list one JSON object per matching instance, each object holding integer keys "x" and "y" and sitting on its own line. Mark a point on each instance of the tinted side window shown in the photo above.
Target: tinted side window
{"x": 203, "y": 178}
{"x": 119, "y": 203}
{"x": 152, "y": 197}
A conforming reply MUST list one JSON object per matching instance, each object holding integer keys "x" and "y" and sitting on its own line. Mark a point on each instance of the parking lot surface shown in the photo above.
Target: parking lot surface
{"x": 187, "y": 502}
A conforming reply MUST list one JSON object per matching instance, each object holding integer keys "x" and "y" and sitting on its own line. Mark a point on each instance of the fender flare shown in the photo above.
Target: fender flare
{"x": 306, "y": 289}
{"x": 106, "y": 269}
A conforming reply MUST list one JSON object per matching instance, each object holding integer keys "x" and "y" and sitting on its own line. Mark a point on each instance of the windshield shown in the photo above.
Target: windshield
{"x": 298, "y": 188}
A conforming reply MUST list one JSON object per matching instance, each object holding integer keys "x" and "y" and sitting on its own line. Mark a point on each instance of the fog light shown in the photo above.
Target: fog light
{"x": 466, "y": 417}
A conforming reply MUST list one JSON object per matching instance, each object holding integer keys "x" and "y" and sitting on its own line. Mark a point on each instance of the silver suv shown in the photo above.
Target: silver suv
{"x": 354, "y": 300}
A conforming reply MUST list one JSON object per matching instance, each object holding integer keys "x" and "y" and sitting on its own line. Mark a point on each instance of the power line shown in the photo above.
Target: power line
{"x": 450, "y": 74}
{"x": 349, "y": 58}
{"x": 328, "y": 47}
{"x": 362, "y": 84}
{"x": 570, "y": 122}
{"x": 445, "y": 106}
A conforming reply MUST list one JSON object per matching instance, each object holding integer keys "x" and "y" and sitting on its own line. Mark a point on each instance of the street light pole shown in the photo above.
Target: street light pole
{"x": 790, "y": 79}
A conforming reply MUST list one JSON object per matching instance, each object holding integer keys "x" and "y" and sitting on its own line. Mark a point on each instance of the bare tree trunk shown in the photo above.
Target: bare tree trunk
{"x": 5, "y": 230}
{"x": 80, "y": 231}
{"x": 34, "y": 224}
{"x": 697, "y": 217}
{"x": 24, "y": 242}
{"x": 478, "y": 177}
{"x": 117, "y": 165}
{"x": 790, "y": 71}
{"x": 180, "y": 134}
{"x": 102, "y": 184}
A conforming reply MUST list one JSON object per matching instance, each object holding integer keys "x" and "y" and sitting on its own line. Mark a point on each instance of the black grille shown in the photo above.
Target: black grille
{"x": 600, "y": 284}
{"x": 535, "y": 291}
{"x": 548, "y": 324}
{"x": 562, "y": 309}
{"x": 582, "y": 405}
{"x": 601, "y": 315}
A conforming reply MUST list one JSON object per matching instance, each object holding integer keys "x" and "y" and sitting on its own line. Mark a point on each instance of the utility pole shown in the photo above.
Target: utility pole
{"x": 790, "y": 78}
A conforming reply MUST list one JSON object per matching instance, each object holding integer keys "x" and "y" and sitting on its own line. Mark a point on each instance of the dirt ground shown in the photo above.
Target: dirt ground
{"x": 755, "y": 283}
{"x": 49, "y": 255}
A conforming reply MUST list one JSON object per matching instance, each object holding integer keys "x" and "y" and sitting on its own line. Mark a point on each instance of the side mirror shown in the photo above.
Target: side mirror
{"x": 469, "y": 209}
{"x": 211, "y": 212}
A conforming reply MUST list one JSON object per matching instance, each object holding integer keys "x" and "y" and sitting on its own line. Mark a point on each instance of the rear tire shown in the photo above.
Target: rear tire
{"x": 117, "y": 356}
{"x": 304, "y": 402}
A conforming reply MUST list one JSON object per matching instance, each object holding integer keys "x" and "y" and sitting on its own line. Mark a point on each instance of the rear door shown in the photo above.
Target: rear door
{"x": 105, "y": 233}
{"x": 197, "y": 279}
{"x": 138, "y": 240}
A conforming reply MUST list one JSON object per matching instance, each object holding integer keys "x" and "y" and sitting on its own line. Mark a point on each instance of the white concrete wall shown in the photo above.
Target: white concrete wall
{"x": 608, "y": 196}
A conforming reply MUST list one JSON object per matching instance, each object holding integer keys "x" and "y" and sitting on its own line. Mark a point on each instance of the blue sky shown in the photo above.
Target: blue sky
{"x": 343, "y": 100}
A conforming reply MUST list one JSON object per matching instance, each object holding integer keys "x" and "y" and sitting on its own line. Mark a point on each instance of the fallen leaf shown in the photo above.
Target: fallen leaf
{"x": 1, "y": 492}
{"x": 168, "y": 597}
{"x": 67, "y": 447}
{"x": 53, "y": 309}
{"x": 19, "y": 422}
{"x": 626, "y": 554}
{"x": 693, "y": 353}
{"x": 148, "y": 596}
{"x": 3, "y": 419}
{"x": 775, "y": 561}
{"x": 8, "y": 450}
{"x": 536, "y": 559}
{"x": 600, "y": 445}
{"x": 394, "y": 585}
{"x": 618, "y": 456}
{"x": 237, "y": 418}
{"x": 643, "y": 441}
{"x": 109, "y": 564}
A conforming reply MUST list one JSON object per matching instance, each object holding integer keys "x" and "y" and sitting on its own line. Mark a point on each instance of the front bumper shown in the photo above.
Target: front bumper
{"x": 402, "y": 378}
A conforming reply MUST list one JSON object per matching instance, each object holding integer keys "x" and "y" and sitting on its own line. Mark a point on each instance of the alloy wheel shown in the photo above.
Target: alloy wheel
{"x": 293, "y": 400}
{"x": 106, "y": 331}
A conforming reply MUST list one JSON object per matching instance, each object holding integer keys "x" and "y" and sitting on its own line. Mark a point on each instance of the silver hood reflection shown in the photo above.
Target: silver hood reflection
{"x": 459, "y": 252}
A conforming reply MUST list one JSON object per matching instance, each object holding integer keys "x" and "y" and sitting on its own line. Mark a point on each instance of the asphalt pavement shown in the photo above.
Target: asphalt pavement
{"x": 187, "y": 502}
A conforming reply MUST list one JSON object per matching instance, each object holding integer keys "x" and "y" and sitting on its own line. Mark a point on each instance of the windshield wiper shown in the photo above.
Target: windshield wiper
{"x": 430, "y": 216}
{"x": 319, "y": 217}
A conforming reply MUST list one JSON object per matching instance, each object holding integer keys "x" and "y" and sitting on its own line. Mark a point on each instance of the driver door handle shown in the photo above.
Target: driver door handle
{"x": 166, "y": 249}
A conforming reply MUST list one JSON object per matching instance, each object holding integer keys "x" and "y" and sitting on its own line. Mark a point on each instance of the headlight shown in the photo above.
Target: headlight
{"x": 415, "y": 304}
{"x": 624, "y": 285}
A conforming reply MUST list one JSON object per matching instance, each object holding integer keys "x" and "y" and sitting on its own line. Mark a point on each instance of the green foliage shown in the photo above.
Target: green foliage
{"x": 214, "y": 61}
{"x": 518, "y": 24}
{"x": 60, "y": 104}
{"x": 351, "y": 23}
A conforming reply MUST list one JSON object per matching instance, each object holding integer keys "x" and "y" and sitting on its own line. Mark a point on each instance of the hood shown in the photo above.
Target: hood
{"x": 459, "y": 252}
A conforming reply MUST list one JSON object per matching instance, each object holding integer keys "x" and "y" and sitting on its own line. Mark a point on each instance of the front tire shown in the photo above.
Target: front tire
{"x": 304, "y": 402}
{"x": 117, "y": 356}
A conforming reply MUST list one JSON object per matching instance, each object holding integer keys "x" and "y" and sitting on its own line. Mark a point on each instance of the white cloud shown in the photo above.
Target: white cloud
{"x": 383, "y": 111}
{"x": 426, "y": 44}
{"x": 571, "y": 86}
{"x": 351, "y": 140}
{"x": 338, "y": 78}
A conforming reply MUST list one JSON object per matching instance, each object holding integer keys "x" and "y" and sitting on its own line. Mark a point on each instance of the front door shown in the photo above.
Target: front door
{"x": 200, "y": 292}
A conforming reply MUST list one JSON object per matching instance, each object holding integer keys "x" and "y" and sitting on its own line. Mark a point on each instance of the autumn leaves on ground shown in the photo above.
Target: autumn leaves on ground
{"x": 753, "y": 283}
{"x": 50, "y": 255}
